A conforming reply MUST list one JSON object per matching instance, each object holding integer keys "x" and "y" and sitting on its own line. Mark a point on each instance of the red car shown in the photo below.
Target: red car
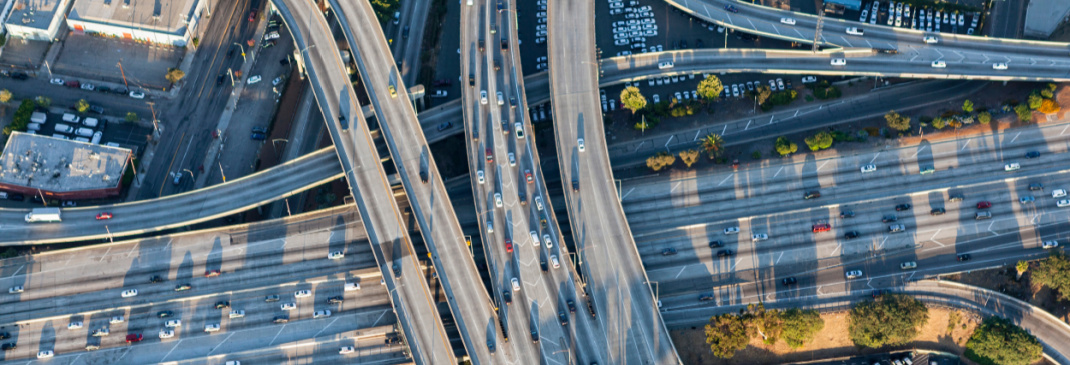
{"x": 490, "y": 155}
{"x": 135, "y": 337}
{"x": 252, "y": 15}
{"x": 103, "y": 216}
{"x": 75, "y": 84}
{"x": 212, "y": 273}
{"x": 825, "y": 227}
{"x": 983, "y": 205}
{"x": 508, "y": 245}
{"x": 528, "y": 177}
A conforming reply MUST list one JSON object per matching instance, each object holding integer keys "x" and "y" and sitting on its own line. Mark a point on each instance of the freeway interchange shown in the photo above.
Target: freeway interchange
{"x": 634, "y": 262}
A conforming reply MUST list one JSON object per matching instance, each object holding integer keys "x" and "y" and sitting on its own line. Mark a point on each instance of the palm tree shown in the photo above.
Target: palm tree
{"x": 713, "y": 144}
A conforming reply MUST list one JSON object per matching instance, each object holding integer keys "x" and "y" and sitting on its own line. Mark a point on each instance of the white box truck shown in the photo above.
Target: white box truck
{"x": 43, "y": 215}
{"x": 38, "y": 117}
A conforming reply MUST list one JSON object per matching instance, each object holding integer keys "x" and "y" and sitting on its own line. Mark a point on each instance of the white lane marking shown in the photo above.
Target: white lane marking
{"x": 778, "y": 258}
{"x": 277, "y": 335}
{"x": 105, "y": 255}
{"x": 771, "y": 118}
{"x": 748, "y": 124}
{"x": 1015, "y": 136}
{"x": 16, "y": 273}
{"x": 881, "y": 245}
{"x": 822, "y": 165}
{"x": 674, "y": 186}
{"x": 1064, "y": 129}
{"x": 681, "y": 272}
{"x": 169, "y": 352}
{"x": 736, "y": 263}
{"x": 918, "y": 151}
{"x": 697, "y": 132}
{"x": 222, "y": 342}
{"x": 838, "y": 245}
{"x": 724, "y": 129}
{"x": 964, "y": 145}
{"x": 910, "y": 277}
{"x": 726, "y": 179}
{"x": 874, "y": 157}
{"x": 376, "y": 323}
{"x": 778, "y": 171}
{"x": 669, "y": 141}
{"x": 626, "y": 194}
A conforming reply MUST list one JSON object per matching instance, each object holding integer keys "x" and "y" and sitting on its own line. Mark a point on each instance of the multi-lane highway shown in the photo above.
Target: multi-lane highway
{"x": 393, "y": 251}
{"x": 431, "y": 207}
{"x": 232, "y": 275}
{"x": 616, "y": 282}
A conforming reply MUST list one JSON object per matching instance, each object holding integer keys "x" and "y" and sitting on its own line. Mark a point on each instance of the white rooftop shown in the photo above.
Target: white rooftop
{"x": 164, "y": 16}
{"x": 60, "y": 165}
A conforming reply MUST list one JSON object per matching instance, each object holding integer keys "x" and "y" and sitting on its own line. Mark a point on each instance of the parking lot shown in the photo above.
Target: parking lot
{"x": 924, "y": 18}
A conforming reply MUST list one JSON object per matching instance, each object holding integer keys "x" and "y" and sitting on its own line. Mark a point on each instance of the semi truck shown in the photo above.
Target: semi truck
{"x": 43, "y": 215}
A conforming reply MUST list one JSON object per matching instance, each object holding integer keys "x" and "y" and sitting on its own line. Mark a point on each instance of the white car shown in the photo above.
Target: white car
{"x": 173, "y": 323}
{"x": 479, "y": 176}
{"x": 854, "y": 274}
{"x": 15, "y": 289}
{"x": 166, "y": 333}
{"x": 512, "y": 158}
{"x": 346, "y": 350}
{"x": 731, "y": 230}
{"x": 839, "y": 62}
{"x": 538, "y": 202}
{"x": 336, "y": 255}
{"x": 302, "y": 294}
{"x": 657, "y": 99}
{"x": 619, "y": 42}
{"x": 141, "y": 95}
{"x": 516, "y": 284}
{"x": 45, "y": 354}
{"x": 253, "y": 79}
{"x": 579, "y": 144}
{"x": 665, "y": 65}
{"x": 129, "y": 293}
{"x": 211, "y": 328}
{"x": 759, "y": 237}
{"x": 498, "y": 200}
{"x": 74, "y": 325}
{"x": 1050, "y": 244}
{"x": 1013, "y": 166}
{"x": 999, "y": 66}
{"x": 869, "y": 168}
{"x": 352, "y": 286}
{"x": 288, "y": 306}
{"x": 548, "y": 241}
{"x": 321, "y": 314}
{"x": 483, "y": 97}
{"x": 117, "y": 320}
{"x": 535, "y": 238}
{"x": 237, "y": 314}
{"x": 788, "y": 21}
{"x": 1058, "y": 193}
{"x": 931, "y": 39}
{"x": 554, "y": 261}
{"x": 939, "y": 64}
{"x": 1063, "y": 203}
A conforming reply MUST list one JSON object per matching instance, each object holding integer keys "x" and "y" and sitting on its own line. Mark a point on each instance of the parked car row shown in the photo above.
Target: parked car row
{"x": 136, "y": 94}
{"x": 638, "y": 25}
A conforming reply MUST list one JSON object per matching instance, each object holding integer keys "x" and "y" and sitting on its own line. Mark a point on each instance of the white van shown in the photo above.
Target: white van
{"x": 90, "y": 122}
{"x": 855, "y": 31}
{"x": 84, "y": 132}
{"x": 63, "y": 128}
{"x": 96, "y": 137}
{"x": 81, "y": 139}
{"x": 33, "y": 127}
{"x": 60, "y": 136}
{"x": 38, "y": 117}
{"x": 71, "y": 118}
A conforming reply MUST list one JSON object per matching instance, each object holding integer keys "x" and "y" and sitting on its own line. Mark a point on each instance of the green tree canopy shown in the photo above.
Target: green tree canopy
{"x": 713, "y": 144}
{"x": 710, "y": 88}
{"x": 131, "y": 117}
{"x": 21, "y": 118}
{"x": 999, "y": 342}
{"x": 785, "y": 147}
{"x": 689, "y": 157}
{"x": 81, "y": 105}
{"x": 43, "y": 101}
{"x": 939, "y": 123}
{"x": 1024, "y": 113}
{"x": 984, "y": 117}
{"x": 659, "y": 161}
{"x": 819, "y": 141}
{"x": 800, "y": 326}
{"x": 1054, "y": 272}
{"x": 897, "y": 122}
{"x": 174, "y": 75}
{"x": 967, "y": 106}
{"x": 763, "y": 93}
{"x": 767, "y": 323}
{"x": 632, "y": 99}
{"x": 726, "y": 334}
{"x": 5, "y": 96}
{"x": 1034, "y": 101}
{"x": 892, "y": 320}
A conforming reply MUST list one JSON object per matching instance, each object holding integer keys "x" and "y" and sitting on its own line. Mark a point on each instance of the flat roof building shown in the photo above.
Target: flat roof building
{"x": 37, "y": 20}
{"x": 61, "y": 169}
{"x": 169, "y": 22}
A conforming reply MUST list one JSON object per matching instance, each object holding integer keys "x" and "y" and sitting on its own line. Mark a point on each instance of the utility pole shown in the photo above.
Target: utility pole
{"x": 817, "y": 29}
{"x": 121, "y": 72}
{"x": 155, "y": 125}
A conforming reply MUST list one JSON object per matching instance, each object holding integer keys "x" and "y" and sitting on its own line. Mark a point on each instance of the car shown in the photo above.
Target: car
{"x": 851, "y": 235}
{"x": 889, "y": 218}
{"x": 212, "y": 273}
{"x": 498, "y": 200}
{"x": 89, "y": 87}
{"x": 70, "y": 326}
{"x": 1057, "y": 193}
{"x": 731, "y": 230}
{"x": 278, "y": 80}
{"x": 1014, "y": 166}
{"x": 963, "y": 257}
{"x": 554, "y": 262}
{"x": 724, "y": 253}
{"x": 335, "y": 255}
{"x": 1050, "y": 244}
{"x": 791, "y": 280}
{"x": 117, "y": 320}
{"x": 939, "y": 64}
{"x": 337, "y": 299}
{"x": 129, "y": 293}
{"x": 222, "y": 304}
{"x": 44, "y": 354}
{"x": 668, "y": 251}
{"x": 562, "y": 317}
{"x": 173, "y": 323}
{"x": 822, "y": 227}
{"x": 812, "y": 195}
{"x": 271, "y": 298}
{"x": 580, "y": 145}
{"x": 1026, "y": 199}
{"x": 182, "y": 287}
{"x": 252, "y": 15}
{"x": 479, "y": 176}
{"x": 529, "y": 177}
{"x": 490, "y": 155}
{"x": 956, "y": 198}
{"x": 869, "y": 168}
{"x": 705, "y": 297}
{"x": 302, "y": 294}
{"x": 256, "y": 136}
{"x": 759, "y": 237}
{"x": 346, "y": 350}
{"x": 288, "y": 306}
{"x": 56, "y": 81}
{"x": 137, "y": 94}
{"x": 984, "y": 214}
{"x": 515, "y": 283}
{"x": 847, "y": 214}
{"x": 731, "y": 8}
{"x": 166, "y": 333}
{"x": 1063, "y": 203}
{"x": 909, "y": 265}
{"x": 103, "y": 216}
{"x": 788, "y": 21}
{"x": 937, "y": 211}
{"x": 984, "y": 204}
{"x": 1032, "y": 154}
{"x": 930, "y": 39}
{"x": 895, "y": 228}
{"x": 508, "y": 245}
{"x": 546, "y": 239}
{"x": 321, "y": 314}
{"x": 902, "y": 207}
{"x": 214, "y": 327}
{"x": 999, "y": 66}
{"x": 280, "y": 320}
{"x": 809, "y": 79}
{"x": 839, "y": 62}
{"x": 483, "y": 97}
{"x": 853, "y": 274}
{"x": 101, "y": 332}
{"x": 665, "y": 65}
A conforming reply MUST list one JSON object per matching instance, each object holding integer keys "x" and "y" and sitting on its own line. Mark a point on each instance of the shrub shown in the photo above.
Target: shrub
{"x": 891, "y": 320}
{"x": 1049, "y": 106}
{"x": 660, "y": 161}
{"x": 819, "y": 141}
{"x": 632, "y": 99}
{"x": 689, "y": 157}
{"x": 1024, "y": 113}
{"x": 897, "y": 122}
{"x": 984, "y": 117}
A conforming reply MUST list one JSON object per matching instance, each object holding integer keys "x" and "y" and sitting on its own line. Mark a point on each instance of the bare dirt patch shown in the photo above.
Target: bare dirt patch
{"x": 947, "y": 330}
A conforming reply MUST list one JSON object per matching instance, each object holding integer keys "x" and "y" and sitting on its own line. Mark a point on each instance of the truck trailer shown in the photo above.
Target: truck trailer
{"x": 43, "y": 215}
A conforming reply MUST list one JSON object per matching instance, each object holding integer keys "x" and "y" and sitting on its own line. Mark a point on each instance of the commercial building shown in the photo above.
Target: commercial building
{"x": 167, "y": 22}
{"x": 37, "y": 20}
{"x": 61, "y": 169}
{"x": 848, "y": 4}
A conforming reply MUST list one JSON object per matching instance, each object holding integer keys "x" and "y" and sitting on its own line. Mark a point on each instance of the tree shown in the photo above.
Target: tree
{"x": 763, "y": 93}
{"x": 892, "y": 320}
{"x": 689, "y": 157}
{"x": 1049, "y": 106}
{"x": 998, "y": 341}
{"x": 43, "y": 101}
{"x": 710, "y": 88}
{"x": 767, "y": 323}
{"x": 967, "y": 106}
{"x": 174, "y": 75}
{"x": 984, "y": 117}
{"x": 632, "y": 99}
{"x": 939, "y": 123}
{"x": 21, "y": 118}
{"x": 5, "y": 96}
{"x": 785, "y": 147}
{"x": 1034, "y": 101}
{"x": 1046, "y": 93}
{"x": 1054, "y": 272}
{"x": 897, "y": 122}
{"x": 800, "y": 326}
{"x": 659, "y": 161}
{"x": 727, "y": 334}
{"x": 713, "y": 144}
{"x": 131, "y": 117}
{"x": 819, "y": 141}
{"x": 1022, "y": 266}
{"x": 81, "y": 106}
{"x": 1023, "y": 112}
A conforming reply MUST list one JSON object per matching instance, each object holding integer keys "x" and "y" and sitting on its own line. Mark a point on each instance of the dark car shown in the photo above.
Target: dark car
{"x": 507, "y": 296}
{"x": 96, "y": 109}
{"x": 16, "y": 197}
{"x": 74, "y": 84}
{"x": 397, "y": 270}
{"x": 937, "y": 211}
{"x": 104, "y": 89}
{"x": 888, "y": 51}
{"x": 714, "y": 244}
{"x": 260, "y": 130}
{"x": 271, "y": 298}
{"x": 219, "y": 79}
{"x": 724, "y": 253}
{"x": 335, "y": 300}
{"x": 20, "y": 76}
{"x": 444, "y": 126}
{"x": 590, "y": 307}
{"x": 182, "y": 287}
{"x": 405, "y": 32}
{"x": 571, "y": 305}
{"x": 505, "y": 45}
{"x": 542, "y": 264}
{"x": 812, "y": 195}
{"x": 963, "y": 257}
{"x": 482, "y": 45}
{"x": 8, "y": 346}
{"x": 4, "y": 335}
{"x": 134, "y": 337}
{"x": 731, "y": 8}
{"x": 155, "y": 279}
{"x": 851, "y": 235}
{"x": 164, "y": 314}
{"x": 877, "y": 293}
{"x": 902, "y": 207}
{"x": 222, "y": 304}
{"x": 423, "y": 175}
{"x": 1036, "y": 186}
{"x": 668, "y": 251}
{"x": 258, "y": 136}
{"x": 280, "y": 320}
{"x": 120, "y": 91}
{"x": 705, "y": 297}
{"x": 575, "y": 185}
{"x": 789, "y": 281}
{"x": 847, "y": 214}
{"x": 1032, "y": 154}
{"x": 984, "y": 205}
{"x": 562, "y": 317}
{"x": 889, "y": 218}
{"x": 471, "y": 80}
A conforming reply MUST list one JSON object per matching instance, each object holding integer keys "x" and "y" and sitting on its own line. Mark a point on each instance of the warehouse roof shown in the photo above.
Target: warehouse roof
{"x": 60, "y": 165}
{"x": 165, "y": 16}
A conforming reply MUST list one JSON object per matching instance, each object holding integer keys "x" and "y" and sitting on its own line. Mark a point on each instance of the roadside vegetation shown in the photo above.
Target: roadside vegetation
{"x": 728, "y": 333}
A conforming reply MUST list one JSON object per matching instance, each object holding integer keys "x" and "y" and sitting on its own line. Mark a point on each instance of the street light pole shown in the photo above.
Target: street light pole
{"x": 242, "y": 52}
